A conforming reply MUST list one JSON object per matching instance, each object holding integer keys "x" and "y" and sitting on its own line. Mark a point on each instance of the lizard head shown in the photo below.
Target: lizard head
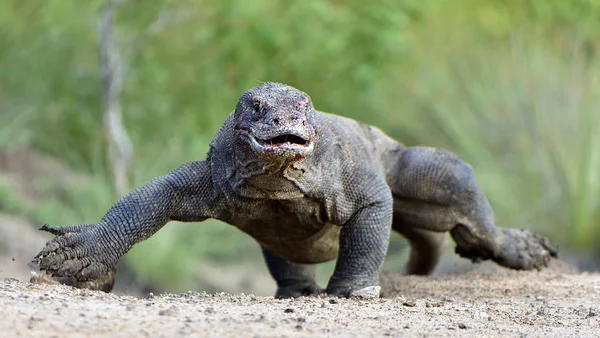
{"x": 276, "y": 122}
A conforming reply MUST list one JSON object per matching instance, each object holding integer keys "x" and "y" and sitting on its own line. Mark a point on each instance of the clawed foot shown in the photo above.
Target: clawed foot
{"x": 103, "y": 283}
{"x": 76, "y": 257}
{"x": 516, "y": 249}
{"x": 522, "y": 250}
{"x": 342, "y": 291}
{"x": 298, "y": 290}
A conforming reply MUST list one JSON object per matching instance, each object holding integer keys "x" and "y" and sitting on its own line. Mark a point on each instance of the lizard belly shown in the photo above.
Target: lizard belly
{"x": 297, "y": 230}
{"x": 321, "y": 247}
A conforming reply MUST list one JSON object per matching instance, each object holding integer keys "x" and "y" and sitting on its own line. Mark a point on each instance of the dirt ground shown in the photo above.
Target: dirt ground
{"x": 487, "y": 301}
{"x": 496, "y": 303}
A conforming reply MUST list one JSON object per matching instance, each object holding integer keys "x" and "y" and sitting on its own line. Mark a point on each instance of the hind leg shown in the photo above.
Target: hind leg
{"x": 293, "y": 279}
{"x": 426, "y": 247}
{"x": 433, "y": 190}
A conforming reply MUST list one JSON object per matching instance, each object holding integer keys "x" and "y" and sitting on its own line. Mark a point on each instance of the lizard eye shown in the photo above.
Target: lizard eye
{"x": 256, "y": 106}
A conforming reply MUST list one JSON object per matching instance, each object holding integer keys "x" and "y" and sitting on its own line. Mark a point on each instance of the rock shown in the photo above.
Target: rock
{"x": 370, "y": 292}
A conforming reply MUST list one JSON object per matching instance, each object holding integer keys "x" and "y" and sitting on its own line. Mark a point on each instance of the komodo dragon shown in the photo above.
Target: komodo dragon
{"x": 310, "y": 187}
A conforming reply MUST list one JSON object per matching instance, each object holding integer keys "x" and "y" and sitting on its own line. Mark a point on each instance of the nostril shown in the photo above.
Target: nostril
{"x": 275, "y": 121}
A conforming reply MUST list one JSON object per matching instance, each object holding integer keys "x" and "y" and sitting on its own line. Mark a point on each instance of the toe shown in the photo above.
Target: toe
{"x": 342, "y": 291}
{"x": 93, "y": 270}
{"x": 52, "y": 261}
{"x": 55, "y": 230}
{"x": 50, "y": 247}
{"x": 69, "y": 268}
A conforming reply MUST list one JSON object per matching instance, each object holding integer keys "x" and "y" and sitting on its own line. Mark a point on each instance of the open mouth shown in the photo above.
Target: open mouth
{"x": 280, "y": 145}
{"x": 288, "y": 139}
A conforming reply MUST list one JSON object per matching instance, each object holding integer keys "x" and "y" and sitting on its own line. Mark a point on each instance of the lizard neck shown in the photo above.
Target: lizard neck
{"x": 276, "y": 180}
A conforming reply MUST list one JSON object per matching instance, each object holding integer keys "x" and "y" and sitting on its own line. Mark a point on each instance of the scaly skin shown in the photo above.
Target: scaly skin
{"x": 309, "y": 187}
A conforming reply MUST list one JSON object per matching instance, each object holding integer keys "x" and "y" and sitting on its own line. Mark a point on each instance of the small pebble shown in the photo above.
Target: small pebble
{"x": 434, "y": 304}
{"x": 592, "y": 313}
{"x": 171, "y": 311}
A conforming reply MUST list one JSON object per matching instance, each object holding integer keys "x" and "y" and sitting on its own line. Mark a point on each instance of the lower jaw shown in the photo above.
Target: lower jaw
{"x": 281, "y": 154}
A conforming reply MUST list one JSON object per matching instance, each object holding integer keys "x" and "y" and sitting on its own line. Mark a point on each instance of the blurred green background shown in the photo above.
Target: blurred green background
{"x": 511, "y": 86}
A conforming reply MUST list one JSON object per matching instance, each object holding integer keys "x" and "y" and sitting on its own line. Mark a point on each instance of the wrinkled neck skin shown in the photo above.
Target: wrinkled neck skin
{"x": 269, "y": 175}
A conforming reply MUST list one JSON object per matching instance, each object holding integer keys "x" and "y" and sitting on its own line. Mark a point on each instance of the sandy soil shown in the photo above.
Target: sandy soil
{"x": 499, "y": 303}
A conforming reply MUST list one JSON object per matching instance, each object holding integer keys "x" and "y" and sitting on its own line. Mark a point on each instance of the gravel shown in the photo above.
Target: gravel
{"x": 502, "y": 303}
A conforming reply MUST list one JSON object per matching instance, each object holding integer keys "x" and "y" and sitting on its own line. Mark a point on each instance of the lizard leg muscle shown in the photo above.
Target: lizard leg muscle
{"x": 293, "y": 279}
{"x": 90, "y": 252}
{"x": 435, "y": 191}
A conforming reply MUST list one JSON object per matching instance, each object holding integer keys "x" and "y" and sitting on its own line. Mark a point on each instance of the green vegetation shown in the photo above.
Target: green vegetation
{"x": 511, "y": 86}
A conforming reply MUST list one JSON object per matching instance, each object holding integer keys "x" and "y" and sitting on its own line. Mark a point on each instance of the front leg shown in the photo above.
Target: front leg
{"x": 364, "y": 239}
{"x": 86, "y": 255}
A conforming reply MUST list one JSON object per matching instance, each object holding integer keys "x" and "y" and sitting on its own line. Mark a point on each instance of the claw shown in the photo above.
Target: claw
{"x": 52, "y": 229}
{"x": 298, "y": 290}
{"x": 342, "y": 292}
{"x": 65, "y": 230}
{"x": 546, "y": 244}
{"x": 52, "y": 262}
{"x": 50, "y": 247}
